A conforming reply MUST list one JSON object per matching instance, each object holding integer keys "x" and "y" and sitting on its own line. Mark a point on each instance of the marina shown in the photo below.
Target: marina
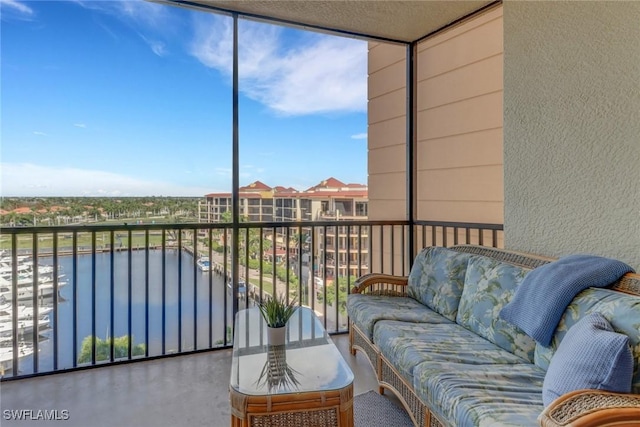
{"x": 156, "y": 302}
{"x": 193, "y": 307}
{"x": 25, "y": 270}
{"x": 30, "y": 322}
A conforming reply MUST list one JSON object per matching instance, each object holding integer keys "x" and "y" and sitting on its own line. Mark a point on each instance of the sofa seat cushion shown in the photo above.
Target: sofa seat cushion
{"x": 437, "y": 278}
{"x": 406, "y": 345}
{"x": 365, "y": 310}
{"x": 621, "y": 311}
{"x": 489, "y": 285}
{"x": 481, "y": 395}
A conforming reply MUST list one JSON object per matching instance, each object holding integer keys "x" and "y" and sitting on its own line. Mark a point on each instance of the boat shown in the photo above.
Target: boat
{"x": 242, "y": 288}
{"x": 6, "y": 356}
{"x": 24, "y": 267}
{"x": 25, "y": 293}
{"x": 27, "y": 279}
{"x": 204, "y": 264}
{"x": 24, "y": 312}
{"x": 25, "y": 327}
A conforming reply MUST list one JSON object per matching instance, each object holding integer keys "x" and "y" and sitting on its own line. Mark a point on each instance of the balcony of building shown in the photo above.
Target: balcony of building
{"x": 529, "y": 144}
{"x": 102, "y": 294}
{"x": 144, "y": 313}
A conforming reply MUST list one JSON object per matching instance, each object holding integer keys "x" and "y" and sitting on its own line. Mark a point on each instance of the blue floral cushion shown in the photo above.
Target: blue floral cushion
{"x": 622, "y": 311}
{"x": 406, "y": 345}
{"x": 489, "y": 286}
{"x": 591, "y": 356}
{"x": 365, "y": 310}
{"x": 437, "y": 278}
{"x": 481, "y": 395}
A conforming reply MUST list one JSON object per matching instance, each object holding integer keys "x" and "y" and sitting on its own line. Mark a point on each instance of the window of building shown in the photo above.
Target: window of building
{"x": 362, "y": 209}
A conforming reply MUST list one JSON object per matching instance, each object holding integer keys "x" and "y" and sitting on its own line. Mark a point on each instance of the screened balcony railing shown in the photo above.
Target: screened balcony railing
{"x": 83, "y": 296}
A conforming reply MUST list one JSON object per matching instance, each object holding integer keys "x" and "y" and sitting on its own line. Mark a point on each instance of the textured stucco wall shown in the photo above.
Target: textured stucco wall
{"x": 572, "y": 128}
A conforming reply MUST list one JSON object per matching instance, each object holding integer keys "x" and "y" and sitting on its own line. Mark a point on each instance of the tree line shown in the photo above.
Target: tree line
{"x": 31, "y": 211}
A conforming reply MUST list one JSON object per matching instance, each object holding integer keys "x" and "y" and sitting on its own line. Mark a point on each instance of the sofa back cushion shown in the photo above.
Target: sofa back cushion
{"x": 489, "y": 285}
{"x": 437, "y": 278}
{"x": 621, "y": 310}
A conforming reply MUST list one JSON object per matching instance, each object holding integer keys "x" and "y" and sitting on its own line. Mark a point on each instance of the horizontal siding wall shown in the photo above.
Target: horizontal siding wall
{"x": 459, "y": 123}
{"x": 387, "y": 131}
{"x": 387, "y": 156}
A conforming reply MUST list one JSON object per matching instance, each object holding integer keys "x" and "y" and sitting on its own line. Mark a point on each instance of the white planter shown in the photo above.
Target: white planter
{"x": 276, "y": 336}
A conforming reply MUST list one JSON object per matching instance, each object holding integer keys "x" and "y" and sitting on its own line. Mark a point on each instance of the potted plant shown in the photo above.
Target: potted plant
{"x": 277, "y": 311}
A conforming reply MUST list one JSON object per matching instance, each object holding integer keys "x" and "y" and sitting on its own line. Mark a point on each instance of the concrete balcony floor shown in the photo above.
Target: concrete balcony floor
{"x": 178, "y": 391}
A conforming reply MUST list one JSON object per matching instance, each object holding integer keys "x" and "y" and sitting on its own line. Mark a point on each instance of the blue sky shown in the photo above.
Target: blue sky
{"x": 114, "y": 98}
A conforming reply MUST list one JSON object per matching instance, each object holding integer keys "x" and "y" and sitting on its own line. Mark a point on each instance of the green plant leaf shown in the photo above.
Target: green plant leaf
{"x": 277, "y": 311}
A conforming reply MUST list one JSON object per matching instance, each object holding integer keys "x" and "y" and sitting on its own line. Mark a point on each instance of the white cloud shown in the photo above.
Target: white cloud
{"x": 17, "y": 6}
{"x": 157, "y": 47}
{"x": 39, "y": 133}
{"x": 25, "y": 179}
{"x": 153, "y": 15}
{"x": 320, "y": 74}
{"x": 144, "y": 17}
{"x": 315, "y": 74}
{"x": 80, "y": 125}
{"x": 145, "y": 12}
{"x": 359, "y": 136}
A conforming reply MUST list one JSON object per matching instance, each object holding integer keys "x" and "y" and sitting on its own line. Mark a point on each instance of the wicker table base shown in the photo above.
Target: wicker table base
{"x": 323, "y": 409}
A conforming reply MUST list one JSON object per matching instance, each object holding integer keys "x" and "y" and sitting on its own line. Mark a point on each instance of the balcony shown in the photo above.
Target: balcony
{"x": 163, "y": 286}
{"x": 90, "y": 296}
{"x": 145, "y": 282}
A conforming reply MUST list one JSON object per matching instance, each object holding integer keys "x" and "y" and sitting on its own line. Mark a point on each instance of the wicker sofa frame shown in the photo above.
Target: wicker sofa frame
{"x": 583, "y": 408}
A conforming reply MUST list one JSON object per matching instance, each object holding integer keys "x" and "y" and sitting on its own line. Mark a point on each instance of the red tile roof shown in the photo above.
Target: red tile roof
{"x": 328, "y": 183}
{"x": 256, "y": 186}
{"x": 329, "y": 187}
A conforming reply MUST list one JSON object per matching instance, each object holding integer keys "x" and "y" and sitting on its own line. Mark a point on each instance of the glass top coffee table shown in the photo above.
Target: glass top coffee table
{"x": 304, "y": 382}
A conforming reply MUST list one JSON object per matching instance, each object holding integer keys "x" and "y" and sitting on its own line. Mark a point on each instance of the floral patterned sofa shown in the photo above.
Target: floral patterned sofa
{"x": 435, "y": 339}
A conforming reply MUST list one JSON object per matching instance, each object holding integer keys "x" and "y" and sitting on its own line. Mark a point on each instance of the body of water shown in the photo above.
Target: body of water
{"x": 194, "y": 307}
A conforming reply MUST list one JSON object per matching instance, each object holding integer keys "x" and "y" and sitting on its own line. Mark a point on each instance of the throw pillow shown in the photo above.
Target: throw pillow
{"x": 591, "y": 356}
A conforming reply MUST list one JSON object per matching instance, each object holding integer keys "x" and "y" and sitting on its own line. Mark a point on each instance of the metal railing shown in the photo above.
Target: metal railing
{"x": 74, "y": 297}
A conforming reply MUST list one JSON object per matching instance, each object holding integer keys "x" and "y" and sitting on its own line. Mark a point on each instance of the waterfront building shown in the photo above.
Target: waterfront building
{"x": 329, "y": 200}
